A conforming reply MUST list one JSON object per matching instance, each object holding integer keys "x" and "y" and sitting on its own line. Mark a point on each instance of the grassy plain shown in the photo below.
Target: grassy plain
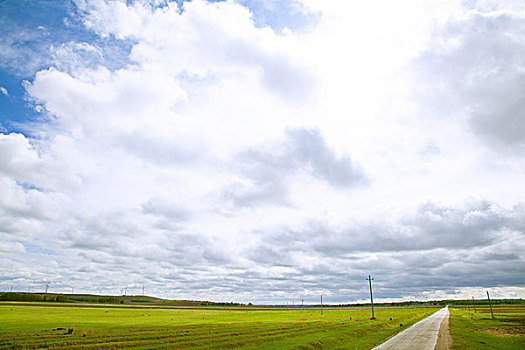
{"x": 45, "y": 326}
{"x": 477, "y": 330}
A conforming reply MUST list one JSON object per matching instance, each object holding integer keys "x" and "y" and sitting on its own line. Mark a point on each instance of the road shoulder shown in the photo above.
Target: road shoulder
{"x": 444, "y": 341}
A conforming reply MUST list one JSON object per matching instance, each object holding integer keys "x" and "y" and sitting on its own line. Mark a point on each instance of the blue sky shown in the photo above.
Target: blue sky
{"x": 263, "y": 151}
{"x": 31, "y": 28}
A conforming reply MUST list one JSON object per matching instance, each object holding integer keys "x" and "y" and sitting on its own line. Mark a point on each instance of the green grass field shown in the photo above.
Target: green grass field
{"x": 30, "y": 326}
{"x": 477, "y": 330}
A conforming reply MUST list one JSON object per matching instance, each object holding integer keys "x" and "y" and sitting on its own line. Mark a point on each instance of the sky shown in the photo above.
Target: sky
{"x": 263, "y": 151}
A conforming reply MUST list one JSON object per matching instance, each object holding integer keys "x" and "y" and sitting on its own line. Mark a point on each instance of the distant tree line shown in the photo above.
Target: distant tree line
{"x": 464, "y": 302}
{"x": 60, "y": 298}
{"x": 145, "y": 300}
{"x": 231, "y": 304}
{"x": 32, "y": 297}
{"x": 107, "y": 299}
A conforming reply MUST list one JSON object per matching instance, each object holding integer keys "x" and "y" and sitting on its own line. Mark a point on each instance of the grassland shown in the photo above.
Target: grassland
{"x": 477, "y": 330}
{"x": 46, "y": 326}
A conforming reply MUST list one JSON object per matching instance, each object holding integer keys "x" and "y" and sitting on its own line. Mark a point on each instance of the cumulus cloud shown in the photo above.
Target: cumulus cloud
{"x": 32, "y": 39}
{"x": 72, "y": 56}
{"x": 475, "y": 63}
{"x": 126, "y": 95}
{"x": 427, "y": 248}
{"x": 268, "y": 169}
{"x": 197, "y": 151}
{"x": 18, "y": 158}
{"x": 215, "y": 38}
{"x": 430, "y": 227}
{"x": 165, "y": 207}
{"x": 11, "y": 247}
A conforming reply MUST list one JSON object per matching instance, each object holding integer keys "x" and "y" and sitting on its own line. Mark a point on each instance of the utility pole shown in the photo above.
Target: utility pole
{"x": 490, "y": 304}
{"x": 47, "y": 287}
{"x": 143, "y": 291}
{"x": 369, "y": 279}
{"x": 72, "y": 289}
{"x": 474, "y": 304}
{"x": 321, "y": 304}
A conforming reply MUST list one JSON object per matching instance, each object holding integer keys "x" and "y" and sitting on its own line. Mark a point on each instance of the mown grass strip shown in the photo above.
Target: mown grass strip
{"x": 224, "y": 336}
{"x": 182, "y": 336}
{"x": 229, "y": 337}
{"x": 35, "y": 327}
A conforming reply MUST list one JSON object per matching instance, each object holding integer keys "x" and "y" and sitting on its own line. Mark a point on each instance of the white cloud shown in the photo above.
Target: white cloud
{"x": 18, "y": 61}
{"x": 3, "y": 90}
{"x": 475, "y": 63}
{"x": 73, "y": 56}
{"x": 20, "y": 161}
{"x": 267, "y": 170}
{"x": 267, "y": 163}
{"x": 11, "y": 247}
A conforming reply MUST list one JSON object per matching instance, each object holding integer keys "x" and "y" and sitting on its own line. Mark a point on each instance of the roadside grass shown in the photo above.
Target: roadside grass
{"x": 477, "y": 330}
{"x": 25, "y": 326}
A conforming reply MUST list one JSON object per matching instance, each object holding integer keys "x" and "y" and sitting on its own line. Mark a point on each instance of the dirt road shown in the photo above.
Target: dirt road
{"x": 421, "y": 336}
